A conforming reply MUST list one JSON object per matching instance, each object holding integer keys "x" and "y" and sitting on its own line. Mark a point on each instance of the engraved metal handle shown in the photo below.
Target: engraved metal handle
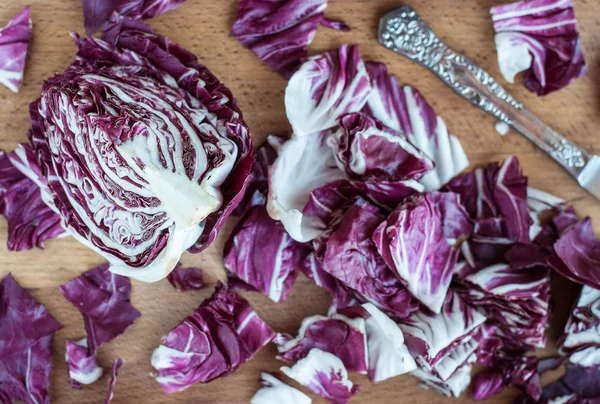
{"x": 403, "y": 32}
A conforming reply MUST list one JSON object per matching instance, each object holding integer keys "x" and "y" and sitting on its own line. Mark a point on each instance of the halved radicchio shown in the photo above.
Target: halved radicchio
{"x": 141, "y": 150}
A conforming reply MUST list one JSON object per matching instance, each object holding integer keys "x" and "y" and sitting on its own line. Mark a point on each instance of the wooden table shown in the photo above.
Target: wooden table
{"x": 203, "y": 27}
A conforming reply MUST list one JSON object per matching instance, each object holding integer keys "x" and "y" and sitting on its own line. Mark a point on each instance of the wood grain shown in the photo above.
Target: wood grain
{"x": 203, "y": 27}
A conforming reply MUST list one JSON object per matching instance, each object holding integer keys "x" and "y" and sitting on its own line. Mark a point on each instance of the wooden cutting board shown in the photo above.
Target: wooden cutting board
{"x": 203, "y": 27}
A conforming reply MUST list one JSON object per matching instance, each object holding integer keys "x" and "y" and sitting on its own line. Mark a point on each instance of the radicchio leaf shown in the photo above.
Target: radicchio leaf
{"x": 113, "y": 380}
{"x": 454, "y": 386}
{"x": 579, "y": 385}
{"x": 25, "y": 345}
{"x": 368, "y": 151}
{"x": 405, "y": 110}
{"x": 83, "y": 368}
{"x": 581, "y": 339}
{"x": 103, "y": 298}
{"x": 578, "y": 255}
{"x": 14, "y": 43}
{"x": 97, "y": 13}
{"x": 539, "y": 37}
{"x": 352, "y": 258}
{"x": 324, "y": 88}
{"x": 160, "y": 158}
{"x": 260, "y": 253}
{"x": 184, "y": 279}
{"x": 279, "y": 31}
{"x": 221, "y": 334}
{"x": 418, "y": 242}
{"x": 324, "y": 374}
{"x": 276, "y": 392}
{"x": 339, "y": 335}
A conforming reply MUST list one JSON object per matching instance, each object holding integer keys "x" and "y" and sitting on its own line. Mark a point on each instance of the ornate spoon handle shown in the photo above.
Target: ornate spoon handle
{"x": 403, "y": 32}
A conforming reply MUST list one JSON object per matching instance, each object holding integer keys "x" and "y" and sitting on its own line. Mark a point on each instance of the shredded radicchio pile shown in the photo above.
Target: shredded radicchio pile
{"x": 431, "y": 270}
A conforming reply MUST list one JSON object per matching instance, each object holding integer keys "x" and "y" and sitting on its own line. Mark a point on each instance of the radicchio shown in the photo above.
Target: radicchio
{"x": 83, "y": 368}
{"x": 579, "y": 385}
{"x": 578, "y": 254}
{"x": 324, "y": 374}
{"x": 276, "y": 392}
{"x": 324, "y": 88}
{"x": 103, "y": 298}
{"x": 113, "y": 380}
{"x": 581, "y": 339}
{"x": 454, "y": 385}
{"x": 30, "y": 221}
{"x": 539, "y": 37}
{"x": 14, "y": 42}
{"x": 279, "y": 31}
{"x": 97, "y": 13}
{"x": 221, "y": 334}
{"x": 260, "y": 253}
{"x": 184, "y": 279}
{"x": 419, "y": 242}
{"x": 339, "y": 335}
{"x": 25, "y": 345}
{"x": 143, "y": 151}
{"x": 443, "y": 343}
{"x": 351, "y": 257}
{"x": 404, "y": 109}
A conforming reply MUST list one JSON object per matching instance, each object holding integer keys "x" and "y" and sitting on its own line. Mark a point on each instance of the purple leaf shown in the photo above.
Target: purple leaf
{"x": 578, "y": 255}
{"x": 324, "y": 88}
{"x": 24, "y": 321}
{"x": 368, "y": 151}
{"x": 113, "y": 380}
{"x": 221, "y": 334}
{"x": 103, "y": 298}
{"x": 279, "y": 31}
{"x": 97, "y": 13}
{"x": 540, "y": 38}
{"x": 486, "y": 384}
{"x": 184, "y": 279}
{"x": 260, "y": 253}
{"x": 25, "y": 376}
{"x": 324, "y": 374}
{"x": 140, "y": 207}
{"x": 83, "y": 368}
{"x": 417, "y": 241}
{"x": 339, "y": 335}
{"x": 581, "y": 338}
{"x": 275, "y": 392}
{"x": 404, "y": 109}
{"x": 30, "y": 221}
{"x": 352, "y": 258}
{"x": 14, "y": 43}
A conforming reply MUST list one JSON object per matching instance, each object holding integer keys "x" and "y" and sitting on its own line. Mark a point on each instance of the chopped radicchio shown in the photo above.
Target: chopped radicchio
{"x": 25, "y": 345}
{"x": 113, "y": 380}
{"x": 454, "y": 385}
{"x": 351, "y": 257}
{"x": 539, "y": 37}
{"x": 579, "y": 385}
{"x": 261, "y": 254}
{"x": 103, "y": 298}
{"x": 578, "y": 254}
{"x": 442, "y": 343}
{"x": 159, "y": 157}
{"x": 325, "y": 374}
{"x": 324, "y": 88}
{"x": 97, "y": 13}
{"x": 581, "y": 339}
{"x": 418, "y": 241}
{"x": 404, "y": 109}
{"x": 279, "y": 31}
{"x": 277, "y": 392}
{"x": 184, "y": 279}
{"x": 83, "y": 368}
{"x": 14, "y": 42}
{"x": 221, "y": 334}
{"x": 339, "y": 335}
